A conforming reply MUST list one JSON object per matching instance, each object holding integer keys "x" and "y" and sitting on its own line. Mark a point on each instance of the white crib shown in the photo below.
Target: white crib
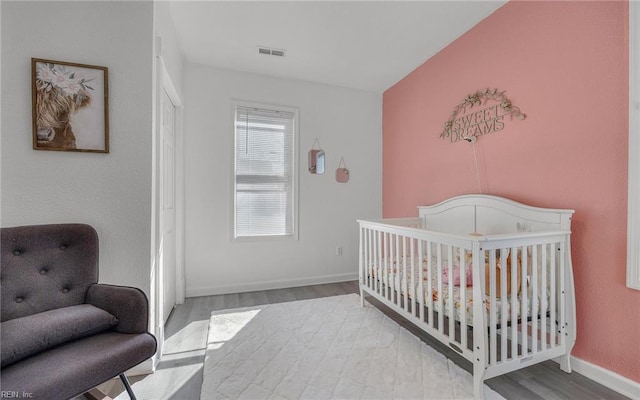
{"x": 523, "y": 310}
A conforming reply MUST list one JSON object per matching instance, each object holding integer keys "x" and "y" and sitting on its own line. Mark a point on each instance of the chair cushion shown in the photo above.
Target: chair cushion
{"x": 26, "y": 336}
{"x": 75, "y": 367}
{"x": 45, "y": 267}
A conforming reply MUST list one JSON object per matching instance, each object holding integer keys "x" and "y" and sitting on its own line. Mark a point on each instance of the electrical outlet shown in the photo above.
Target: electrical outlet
{"x": 338, "y": 250}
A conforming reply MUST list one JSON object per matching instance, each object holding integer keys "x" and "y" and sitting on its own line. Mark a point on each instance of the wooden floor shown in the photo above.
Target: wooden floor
{"x": 179, "y": 374}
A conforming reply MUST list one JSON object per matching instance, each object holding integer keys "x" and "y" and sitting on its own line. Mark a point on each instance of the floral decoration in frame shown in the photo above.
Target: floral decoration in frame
{"x": 70, "y": 106}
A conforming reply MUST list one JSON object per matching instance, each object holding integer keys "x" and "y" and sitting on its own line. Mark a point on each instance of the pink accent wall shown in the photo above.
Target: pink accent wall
{"x": 565, "y": 64}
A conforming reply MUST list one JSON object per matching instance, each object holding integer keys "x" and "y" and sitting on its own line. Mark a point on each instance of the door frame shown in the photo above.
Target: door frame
{"x": 165, "y": 83}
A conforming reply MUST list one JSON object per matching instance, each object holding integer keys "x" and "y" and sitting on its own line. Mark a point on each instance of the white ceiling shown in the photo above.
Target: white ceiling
{"x": 368, "y": 45}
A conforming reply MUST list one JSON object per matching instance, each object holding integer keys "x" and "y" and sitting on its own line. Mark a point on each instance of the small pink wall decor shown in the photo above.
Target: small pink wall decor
{"x": 342, "y": 173}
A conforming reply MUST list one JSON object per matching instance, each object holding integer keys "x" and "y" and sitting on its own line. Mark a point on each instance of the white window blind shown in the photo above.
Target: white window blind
{"x": 264, "y": 172}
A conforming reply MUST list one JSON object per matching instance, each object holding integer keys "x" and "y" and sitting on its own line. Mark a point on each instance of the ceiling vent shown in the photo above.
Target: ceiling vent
{"x": 270, "y": 52}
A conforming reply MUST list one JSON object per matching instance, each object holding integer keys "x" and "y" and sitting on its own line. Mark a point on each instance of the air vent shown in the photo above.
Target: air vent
{"x": 271, "y": 52}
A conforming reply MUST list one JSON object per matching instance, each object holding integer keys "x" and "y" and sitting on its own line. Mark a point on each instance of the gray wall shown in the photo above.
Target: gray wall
{"x": 347, "y": 123}
{"x": 112, "y": 191}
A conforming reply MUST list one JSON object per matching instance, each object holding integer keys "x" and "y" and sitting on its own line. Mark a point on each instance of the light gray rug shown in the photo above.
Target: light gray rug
{"x": 327, "y": 348}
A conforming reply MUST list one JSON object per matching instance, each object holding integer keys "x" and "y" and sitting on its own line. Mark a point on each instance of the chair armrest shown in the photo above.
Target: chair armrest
{"x": 128, "y": 304}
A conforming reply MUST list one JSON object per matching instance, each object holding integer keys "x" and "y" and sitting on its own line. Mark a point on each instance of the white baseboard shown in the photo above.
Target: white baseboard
{"x": 610, "y": 379}
{"x": 268, "y": 285}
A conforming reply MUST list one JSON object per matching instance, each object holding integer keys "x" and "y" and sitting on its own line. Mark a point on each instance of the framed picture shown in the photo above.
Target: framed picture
{"x": 70, "y": 106}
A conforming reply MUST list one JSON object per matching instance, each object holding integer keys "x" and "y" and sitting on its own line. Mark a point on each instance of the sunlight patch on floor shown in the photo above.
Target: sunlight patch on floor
{"x": 193, "y": 336}
{"x": 226, "y": 326}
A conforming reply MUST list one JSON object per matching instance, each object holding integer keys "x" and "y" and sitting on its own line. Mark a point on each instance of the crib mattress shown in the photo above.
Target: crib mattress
{"x": 402, "y": 283}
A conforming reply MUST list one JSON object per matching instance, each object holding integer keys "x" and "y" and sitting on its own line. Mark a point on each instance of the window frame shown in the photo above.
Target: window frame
{"x": 295, "y": 181}
{"x": 633, "y": 217}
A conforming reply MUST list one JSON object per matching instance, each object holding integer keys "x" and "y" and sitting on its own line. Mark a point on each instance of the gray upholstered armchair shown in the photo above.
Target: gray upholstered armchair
{"x": 62, "y": 333}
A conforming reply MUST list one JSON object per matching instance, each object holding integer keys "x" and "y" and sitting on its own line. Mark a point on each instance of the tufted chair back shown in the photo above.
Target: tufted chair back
{"x": 44, "y": 267}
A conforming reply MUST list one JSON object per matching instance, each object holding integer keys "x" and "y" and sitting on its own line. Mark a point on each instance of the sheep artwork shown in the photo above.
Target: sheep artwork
{"x": 60, "y": 92}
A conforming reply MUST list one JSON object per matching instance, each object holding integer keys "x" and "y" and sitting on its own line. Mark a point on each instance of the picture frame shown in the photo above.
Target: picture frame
{"x": 70, "y": 106}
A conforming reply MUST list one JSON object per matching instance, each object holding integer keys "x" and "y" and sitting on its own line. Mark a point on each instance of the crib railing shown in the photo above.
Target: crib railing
{"x": 513, "y": 314}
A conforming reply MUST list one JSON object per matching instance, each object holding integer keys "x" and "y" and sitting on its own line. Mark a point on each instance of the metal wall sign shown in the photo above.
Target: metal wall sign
{"x": 467, "y": 122}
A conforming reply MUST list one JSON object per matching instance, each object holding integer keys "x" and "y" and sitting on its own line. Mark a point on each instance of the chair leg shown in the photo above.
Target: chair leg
{"x": 127, "y": 386}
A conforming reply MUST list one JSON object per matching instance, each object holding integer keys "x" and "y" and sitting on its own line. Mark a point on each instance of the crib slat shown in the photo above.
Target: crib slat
{"x": 421, "y": 281}
{"x": 383, "y": 264}
{"x": 372, "y": 259}
{"x": 451, "y": 297}
{"x": 440, "y": 301}
{"x": 385, "y": 259}
{"x": 368, "y": 257}
{"x": 404, "y": 273}
{"x": 390, "y": 257}
{"x": 463, "y": 298}
{"x": 430, "y": 284}
{"x": 513, "y": 302}
{"x": 535, "y": 313}
{"x": 524, "y": 301}
{"x": 378, "y": 262}
{"x": 361, "y": 274}
{"x": 413, "y": 277}
{"x": 392, "y": 267}
{"x": 370, "y": 264}
{"x": 398, "y": 271}
{"x": 493, "y": 307}
{"x": 373, "y": 277}
{"x": 544, "y": 297}
{"x": 553, "y": 274}
{"x": 503, "y": 303}
{"x": 362, "y": 257}
{"x": 563, "y": 290}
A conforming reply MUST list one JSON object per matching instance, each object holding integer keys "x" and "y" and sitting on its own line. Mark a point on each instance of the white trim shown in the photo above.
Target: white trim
{"x": 154, "y": 294}
{"x": 163, "y": 82}
{"x": 276, "y": 284}
{"x": 612, "y": 380}
{"x": 174, "y": 96}
{"x": 633, "y": 222}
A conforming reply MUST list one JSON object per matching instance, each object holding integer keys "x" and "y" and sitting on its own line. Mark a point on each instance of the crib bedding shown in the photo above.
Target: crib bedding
{"x": 401, "y": 283}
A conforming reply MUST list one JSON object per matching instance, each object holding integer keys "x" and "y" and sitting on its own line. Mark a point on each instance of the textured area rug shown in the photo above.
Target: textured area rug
{"x": 327, "y": 348}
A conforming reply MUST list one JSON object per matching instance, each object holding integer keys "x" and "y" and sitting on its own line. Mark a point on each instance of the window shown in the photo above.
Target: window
{"x": 633, "y": 223}
{"x": 264, "y": 195}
